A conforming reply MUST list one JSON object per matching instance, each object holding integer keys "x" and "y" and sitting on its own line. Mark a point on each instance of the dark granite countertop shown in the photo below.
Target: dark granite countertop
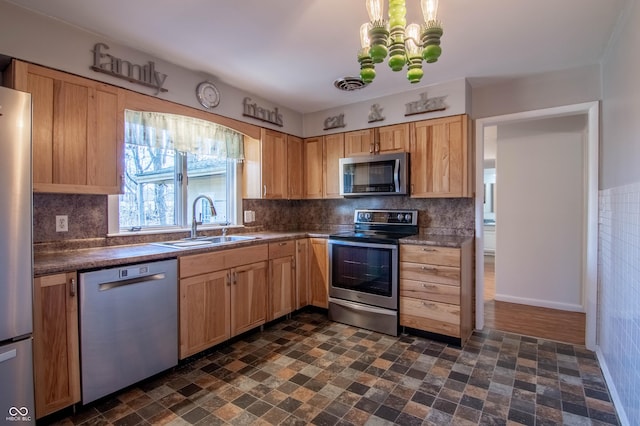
{"x": 52, "y": 262}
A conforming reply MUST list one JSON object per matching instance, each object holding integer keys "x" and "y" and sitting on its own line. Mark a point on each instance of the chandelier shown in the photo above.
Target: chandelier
{"x": 404, "y": 44}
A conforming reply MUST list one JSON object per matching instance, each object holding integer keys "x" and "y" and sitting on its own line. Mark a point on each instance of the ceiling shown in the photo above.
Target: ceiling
{"x": 290, "y": 51}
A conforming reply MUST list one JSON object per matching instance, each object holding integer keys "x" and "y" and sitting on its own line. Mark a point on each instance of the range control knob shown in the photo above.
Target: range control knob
{"x": 407, "y": 217}
{"x": 400, "y": 217}
{"x": 367, "y": 216}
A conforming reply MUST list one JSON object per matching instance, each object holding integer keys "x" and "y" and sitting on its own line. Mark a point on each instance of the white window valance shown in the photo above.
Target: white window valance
{"x": 182, "y": 133}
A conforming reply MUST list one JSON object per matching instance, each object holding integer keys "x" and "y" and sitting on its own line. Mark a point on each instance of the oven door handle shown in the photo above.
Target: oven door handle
{"x": 358, "y": 306}
{"x": 363, "y": 243}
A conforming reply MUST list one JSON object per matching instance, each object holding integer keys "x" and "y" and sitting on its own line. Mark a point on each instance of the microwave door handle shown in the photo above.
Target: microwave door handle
{"x": 396, "y": 176}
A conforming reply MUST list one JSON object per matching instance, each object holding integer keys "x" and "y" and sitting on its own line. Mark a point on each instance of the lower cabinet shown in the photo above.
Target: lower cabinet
{"x": 436, "y": 289}
{"x": 282, "y": 279}
{"x": 222, "y": 294}
{"x": 319, "y": 272}
{"x": 55, "y": 343}
{"x": 302, "y": 273}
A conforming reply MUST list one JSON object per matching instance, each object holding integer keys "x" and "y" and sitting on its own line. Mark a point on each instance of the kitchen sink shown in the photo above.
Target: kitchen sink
{"x": 203, "y": 241}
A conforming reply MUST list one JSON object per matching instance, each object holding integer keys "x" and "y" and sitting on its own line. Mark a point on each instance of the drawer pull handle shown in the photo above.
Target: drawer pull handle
{"x": 282, "y": 244}
{"x": 428, "y": 268}
{"x": 430, "y": 250}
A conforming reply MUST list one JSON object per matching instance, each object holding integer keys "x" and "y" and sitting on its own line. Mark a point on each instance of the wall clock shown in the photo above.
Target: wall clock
{"x": 208, "y": 95}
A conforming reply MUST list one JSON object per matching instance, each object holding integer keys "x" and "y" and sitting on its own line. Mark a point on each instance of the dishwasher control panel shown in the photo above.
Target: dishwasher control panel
{"x": 134, "y": 272}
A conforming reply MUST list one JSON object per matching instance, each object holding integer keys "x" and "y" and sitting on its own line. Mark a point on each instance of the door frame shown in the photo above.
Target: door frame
{"x": 590, "y": 251}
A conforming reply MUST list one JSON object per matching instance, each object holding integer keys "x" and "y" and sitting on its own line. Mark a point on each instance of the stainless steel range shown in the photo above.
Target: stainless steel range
{"x": 363, "y": 269}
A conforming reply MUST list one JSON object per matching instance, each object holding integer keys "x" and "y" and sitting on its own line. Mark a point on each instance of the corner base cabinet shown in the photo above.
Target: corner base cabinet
{"x": 436, "y": 289}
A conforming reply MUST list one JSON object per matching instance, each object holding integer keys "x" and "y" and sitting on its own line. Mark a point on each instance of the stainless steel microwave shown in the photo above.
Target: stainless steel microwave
{"x": 384, "y": 174}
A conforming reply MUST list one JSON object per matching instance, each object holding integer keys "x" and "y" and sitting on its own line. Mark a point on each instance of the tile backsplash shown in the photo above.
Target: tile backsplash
{"x": 88, "y": 215}
{"x": 619, "y": 293}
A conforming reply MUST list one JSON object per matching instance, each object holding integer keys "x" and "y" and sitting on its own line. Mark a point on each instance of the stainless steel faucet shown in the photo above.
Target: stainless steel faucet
{"x": 194, "y": 222}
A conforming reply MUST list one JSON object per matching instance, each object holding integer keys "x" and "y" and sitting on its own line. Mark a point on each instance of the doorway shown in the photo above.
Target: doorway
{"x": 580, "y": 297}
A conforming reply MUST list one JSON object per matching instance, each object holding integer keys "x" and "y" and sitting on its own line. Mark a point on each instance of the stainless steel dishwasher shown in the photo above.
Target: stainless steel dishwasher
{"x": 128, "y": 325}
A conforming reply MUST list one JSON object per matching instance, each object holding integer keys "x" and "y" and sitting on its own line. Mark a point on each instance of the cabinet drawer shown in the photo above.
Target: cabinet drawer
{"x": 430, "y": 273}
{"x": 282, "y": 249}
{"x": 430, "y": 291}
{"x": 429, "y": 316}
{"x": 429, "y": 254}
{"x": 205, "y": 263}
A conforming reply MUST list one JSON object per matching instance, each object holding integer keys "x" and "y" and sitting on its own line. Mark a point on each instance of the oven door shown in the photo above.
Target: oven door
{"x": 364, "y": 272}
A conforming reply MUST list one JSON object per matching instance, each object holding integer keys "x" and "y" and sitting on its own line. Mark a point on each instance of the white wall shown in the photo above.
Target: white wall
{"x": 457, "y": 93}
{"x": 41, "y": 40}
{"x": 546, "y": 90}
{"x": 619, "y": 237}
{"x": 540, "y": 206}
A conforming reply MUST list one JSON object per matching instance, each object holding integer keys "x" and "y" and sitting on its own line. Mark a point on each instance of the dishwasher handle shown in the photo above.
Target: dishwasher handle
{"x": 115, "y": 284}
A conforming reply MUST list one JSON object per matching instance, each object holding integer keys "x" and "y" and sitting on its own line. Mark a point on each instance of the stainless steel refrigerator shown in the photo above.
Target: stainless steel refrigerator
{"x": 16, "y": 260}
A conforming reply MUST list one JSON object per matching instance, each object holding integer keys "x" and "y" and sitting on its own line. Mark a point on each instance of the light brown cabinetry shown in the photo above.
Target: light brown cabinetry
{"x": 436, "y": 289}
{"x": 281, "y": 279}
{"x": 222, "y": 294}
{"x": 273, "y": 166}
{"x": 302, "y": 273}
{"x": 380, "y": 140}
{"x": 295, "y": 168}
{"x": 78, "y": 131}
{"x": 319, "y": 272}
{"x": 321, "y": 157}
{"x": 313, "y": 167}
{"x": 333, "y": 150}
{"x": 440, "y": 158}
{"x": 55, "y": 343}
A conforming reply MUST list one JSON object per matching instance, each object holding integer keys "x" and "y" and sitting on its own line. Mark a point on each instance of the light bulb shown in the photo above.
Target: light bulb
{"x": 364, "y": 35}
{"x": 429, "y": 10}
{"x": 374, "y": 9}
{"x": 411, "y": 39}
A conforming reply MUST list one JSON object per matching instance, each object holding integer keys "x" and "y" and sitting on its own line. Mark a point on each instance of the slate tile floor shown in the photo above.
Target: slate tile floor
{"x": 308, "y": 370}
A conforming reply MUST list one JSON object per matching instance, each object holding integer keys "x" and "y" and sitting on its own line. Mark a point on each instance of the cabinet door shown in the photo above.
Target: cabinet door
{"x": 332, "y": 152}
{"x": 313, "y": 182}
{"x": 439, "y": 160}
{"x": 302, "y": 273}
{"x": 281, "y": 287}
{"x": 319, "y": 272}
{"x": 360, "y": 142}
{"x": 55, "y": 343}
{"x": 204, "y": 311}
{"x": 274, "y": 164}
{"x": 78, "y": 131}
{"x": 248, "y": 297}
{"x": 392, "y": 139}
{"x": 295, "y": 167}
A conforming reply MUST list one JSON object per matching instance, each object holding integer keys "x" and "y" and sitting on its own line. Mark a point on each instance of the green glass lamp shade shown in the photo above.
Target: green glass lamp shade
{"x": 396, "y": 62}
{"x": 367, "y": 74}
{"x": 431, "y": 53}
{"x": 378, "y": 52}
{"x": 414, "y": 75}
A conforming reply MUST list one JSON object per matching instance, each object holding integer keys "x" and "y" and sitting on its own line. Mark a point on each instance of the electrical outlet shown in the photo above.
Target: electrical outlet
{"x": 62, "y": 223}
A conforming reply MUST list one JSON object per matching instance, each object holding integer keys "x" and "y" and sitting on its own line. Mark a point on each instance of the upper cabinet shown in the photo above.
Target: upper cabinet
{"x": 440, "y": 158}
{"x": 295, "y": 171}
{"x": 272, "y": 166}
{"x": 332, "y": 152}
{"x": 312, "y": 164}
{"x": 78, "y": 131}
{"x": 321, "y": 155}
{"x": 380, "y": 140}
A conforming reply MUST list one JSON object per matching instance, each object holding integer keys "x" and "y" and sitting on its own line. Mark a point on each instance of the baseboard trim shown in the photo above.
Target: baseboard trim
{"x": 539, "y": 303}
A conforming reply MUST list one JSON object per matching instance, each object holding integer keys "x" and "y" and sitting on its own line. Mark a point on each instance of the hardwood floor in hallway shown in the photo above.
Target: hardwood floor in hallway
{"x": 553, "y": 324}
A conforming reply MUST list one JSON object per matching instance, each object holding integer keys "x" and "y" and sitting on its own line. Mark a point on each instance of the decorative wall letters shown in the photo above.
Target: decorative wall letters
{"x": 254, "y": 111}
{"x": 425, "y": 105}
{"x": 145, "y": 75}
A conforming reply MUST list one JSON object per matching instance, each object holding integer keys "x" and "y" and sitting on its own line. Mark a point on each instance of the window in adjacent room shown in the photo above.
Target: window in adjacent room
{"x": 169, "y": 161}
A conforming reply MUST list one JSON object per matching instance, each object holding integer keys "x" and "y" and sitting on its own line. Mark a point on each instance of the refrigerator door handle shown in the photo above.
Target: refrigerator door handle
{"x": 8, "y": 355}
